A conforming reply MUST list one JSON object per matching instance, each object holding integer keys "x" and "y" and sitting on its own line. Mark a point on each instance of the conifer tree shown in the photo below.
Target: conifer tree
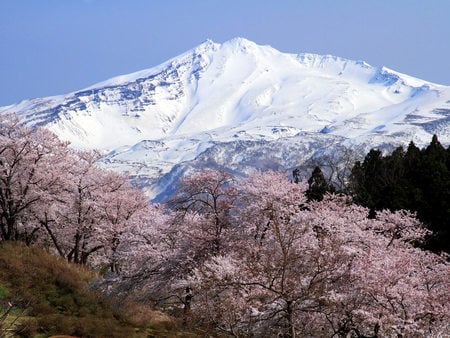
{"x": 318, "y": 186}
{"x": 434, "y": 208}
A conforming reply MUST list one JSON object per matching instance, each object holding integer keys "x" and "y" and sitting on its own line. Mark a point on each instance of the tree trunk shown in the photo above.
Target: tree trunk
{"x": 187, "y": 304}
{"x": 290, "y": 318}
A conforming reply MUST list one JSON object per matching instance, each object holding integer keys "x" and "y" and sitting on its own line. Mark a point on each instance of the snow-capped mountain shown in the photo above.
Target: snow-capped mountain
{"x": 240, "y": 105}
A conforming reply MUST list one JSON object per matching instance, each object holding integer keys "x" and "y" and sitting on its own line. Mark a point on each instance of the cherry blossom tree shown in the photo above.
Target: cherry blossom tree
{"x": 201, "y": 222}
{"x": 155, "y": 256}
{"x": 31, "y": 163}
{"x": 89, "y": 213}
{"x": 209, "y": 195}
{"x": 123, "y": 207}
{"x": 280, "y": 267}
{"x": 164, "y": 251}
{"x": 145, "y": 244}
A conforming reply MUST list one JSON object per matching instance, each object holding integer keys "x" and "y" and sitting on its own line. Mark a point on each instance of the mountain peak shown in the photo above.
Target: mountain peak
{"x": 240, "y": 42}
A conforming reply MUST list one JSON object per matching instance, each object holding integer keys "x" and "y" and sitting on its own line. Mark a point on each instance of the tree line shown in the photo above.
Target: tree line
{"x": 417, "y": 180}
{"x": 258, "y": 256}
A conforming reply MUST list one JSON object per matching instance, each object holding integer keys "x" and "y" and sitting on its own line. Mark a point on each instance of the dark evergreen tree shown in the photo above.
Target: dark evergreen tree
{"x": 367, "y": 183}
{"x": 413, "y": 177}
{"x": 296, "y": 175}
{"x": 416, "y": 180}
{"x": 434, "y": 207}
{"x": 318, "y": 185}
{"x": 395, "y": 185}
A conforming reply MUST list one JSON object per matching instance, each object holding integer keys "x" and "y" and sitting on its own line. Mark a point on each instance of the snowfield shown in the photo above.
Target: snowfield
{"x": 238, "y": 106}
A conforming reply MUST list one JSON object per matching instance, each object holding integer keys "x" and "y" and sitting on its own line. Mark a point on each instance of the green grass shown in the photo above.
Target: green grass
{"x": 50, "y": 297}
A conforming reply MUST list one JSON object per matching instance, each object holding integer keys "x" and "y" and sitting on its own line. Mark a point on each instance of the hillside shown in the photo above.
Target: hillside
{"x": 42, "y": 295}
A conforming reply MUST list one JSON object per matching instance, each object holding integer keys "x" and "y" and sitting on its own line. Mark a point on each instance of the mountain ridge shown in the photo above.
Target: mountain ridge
{"x": 149, "y": 121}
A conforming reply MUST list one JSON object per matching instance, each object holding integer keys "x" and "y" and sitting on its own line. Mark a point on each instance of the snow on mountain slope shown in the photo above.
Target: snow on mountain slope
{"x": 220, "y": 95}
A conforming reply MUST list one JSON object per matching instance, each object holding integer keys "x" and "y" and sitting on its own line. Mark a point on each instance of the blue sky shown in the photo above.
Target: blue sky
{"x": 51, "y": 47}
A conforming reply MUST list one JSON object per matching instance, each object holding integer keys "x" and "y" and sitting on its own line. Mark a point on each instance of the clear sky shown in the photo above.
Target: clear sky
{"x": 51, "y": 47}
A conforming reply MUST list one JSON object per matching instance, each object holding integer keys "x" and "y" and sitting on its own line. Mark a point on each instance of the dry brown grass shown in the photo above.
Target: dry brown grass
{"x": 58, "y": 303}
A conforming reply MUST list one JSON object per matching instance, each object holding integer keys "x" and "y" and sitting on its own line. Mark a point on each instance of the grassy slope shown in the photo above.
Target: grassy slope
{"x": 50, "y": 297}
